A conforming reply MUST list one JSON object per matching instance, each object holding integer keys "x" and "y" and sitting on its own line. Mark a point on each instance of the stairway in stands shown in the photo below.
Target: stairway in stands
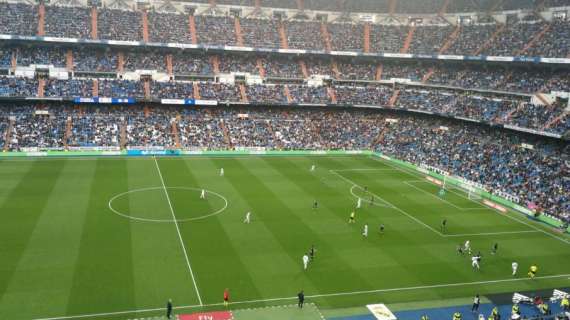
{"x": 535, "y": 39}
{"x": 94, "y": 25}
{"x": 239, "y": 35}
{"x": 367, "y": 37}
{"x": 192, "y": 27}
{"x": 501, "y": 28}
{"x": 409, "y": 38}
{"x": 145, "y": 26}
{"x": 284, "y": 42}
{"x": 41, "y": 19}
{"x": 196, "y": 90}
{"x": 326, "y": 37}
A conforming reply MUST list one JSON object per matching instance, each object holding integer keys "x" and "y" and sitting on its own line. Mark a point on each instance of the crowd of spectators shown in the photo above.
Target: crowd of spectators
{"x": 95, "y": 60}
{"x": 68, "y": 88}
{"x": 531, "y": 170}
{"x": 260, "y": 33}
{"x": 216, "y": 30}
{"x": 241, "y": 64}
{"x": 68, "y": 22}
{"x": 172, "y": 90}
{"x": 346, "y": 36}
{"x": 369, "y": 95}
{"x": 471, "y": 38}
{"x": 304, "y": 35}
{"x": 18, "y": 87}
{"x": 18, "y": 19}
{"x": 266, "y": 94}
{"x": 430, "y": 39}
{"x": 186, "y": 63}
{"x": 114, "y": 24}
{"x": 150, "y": 129}
{"x": 353, "y": 70}
{"x": 199, "y": 129}
{"x": 96, "y": 127}
{"x": 145, "y": 61}
{"x": 168, "y": 27}
{"x": 40, "y": 56}
{"x": 513, "y": 38}
{"x": 310, "y": 95}
{"x": 5, "y": 58}
{"x": 120, "y": 88}
{"x": 278, "y": 67}
{"x": 493, "y": 158}
{"x": 387, "y": 38}
{"x": 219, "y": 91}
{"x": 33, "y": 130}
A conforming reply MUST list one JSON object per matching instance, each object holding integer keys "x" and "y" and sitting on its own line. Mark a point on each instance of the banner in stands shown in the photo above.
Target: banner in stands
{"x": 190, "y": 102}
{"x": 105, "y": 100}
{"x": 289, "y": 51}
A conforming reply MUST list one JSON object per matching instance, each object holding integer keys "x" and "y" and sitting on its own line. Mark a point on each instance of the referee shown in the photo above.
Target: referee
{"x": 301, "y": 296}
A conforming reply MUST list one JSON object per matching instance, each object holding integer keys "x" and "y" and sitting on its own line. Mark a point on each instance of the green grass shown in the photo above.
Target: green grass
{"x": 63, "y": 252}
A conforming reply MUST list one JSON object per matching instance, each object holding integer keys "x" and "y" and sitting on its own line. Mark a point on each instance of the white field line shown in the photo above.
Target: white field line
{"x": 366, "y": 200}
{"x": 351, "y": 293}
{"x": 429, "y": 227}
{"x": 490, "y": 233}
{"x": 356, "y": 185}
{"x": 532, "y": 226}
{"x": 178, "y": 231}
{"x": 440, "y": 198}
{"x": 393, "y": 206}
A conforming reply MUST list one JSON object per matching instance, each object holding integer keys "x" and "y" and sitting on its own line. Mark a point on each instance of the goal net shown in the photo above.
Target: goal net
{"x": 472, "y": 192}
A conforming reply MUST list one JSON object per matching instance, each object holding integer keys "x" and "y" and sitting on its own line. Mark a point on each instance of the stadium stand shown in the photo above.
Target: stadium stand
{"x": 528, "y": 97}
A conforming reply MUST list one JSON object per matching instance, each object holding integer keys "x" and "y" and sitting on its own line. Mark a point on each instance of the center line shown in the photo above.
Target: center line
{"x": 179, "y": 234}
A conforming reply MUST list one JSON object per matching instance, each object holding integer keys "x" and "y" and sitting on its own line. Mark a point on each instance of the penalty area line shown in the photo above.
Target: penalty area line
{"x": 325, "y": 295}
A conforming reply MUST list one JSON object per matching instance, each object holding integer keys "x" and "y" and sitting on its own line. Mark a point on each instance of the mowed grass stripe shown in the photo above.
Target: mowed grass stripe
{"x": 420, "y": 205}
{"x": 256, "y": 245}
{"x": 402, "y": 236}
{"x": 44, "y": 274}
{"x": 368, "y": 257}
{"x": 286, "y": 227}
{"x": 19, "y": 217}
{"x": 309, "y": 224}
{"x": 103, "y": 277}
{"x": 217, "y": 265}
{"x": 159, "y": 264}
{"x": 11, "y": 174}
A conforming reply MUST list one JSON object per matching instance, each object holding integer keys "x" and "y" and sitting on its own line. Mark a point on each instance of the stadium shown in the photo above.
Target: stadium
{"x": 284, "y": 159}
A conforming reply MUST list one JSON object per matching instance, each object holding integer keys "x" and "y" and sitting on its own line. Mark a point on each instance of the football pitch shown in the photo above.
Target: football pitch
{"x": 115, "y": 238}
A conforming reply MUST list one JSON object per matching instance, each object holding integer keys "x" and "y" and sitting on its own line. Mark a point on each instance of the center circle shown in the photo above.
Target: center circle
{"x": 148, "y": 200}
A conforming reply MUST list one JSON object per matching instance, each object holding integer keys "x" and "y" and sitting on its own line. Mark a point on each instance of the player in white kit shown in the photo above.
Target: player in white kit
{"x": 515, "y": 266}
{"x": 203, "y": 194}
{"x": 365, "y": 231}
{"x": 221, "y": 172}
{"x": 475, "y": 262}
{"x": 358, "y": 203}
{"x": 467, "y": 247}
{"x": 313, "y": 167}
{"x": 305, "y": 261}
{"x": 247, "y": 217}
